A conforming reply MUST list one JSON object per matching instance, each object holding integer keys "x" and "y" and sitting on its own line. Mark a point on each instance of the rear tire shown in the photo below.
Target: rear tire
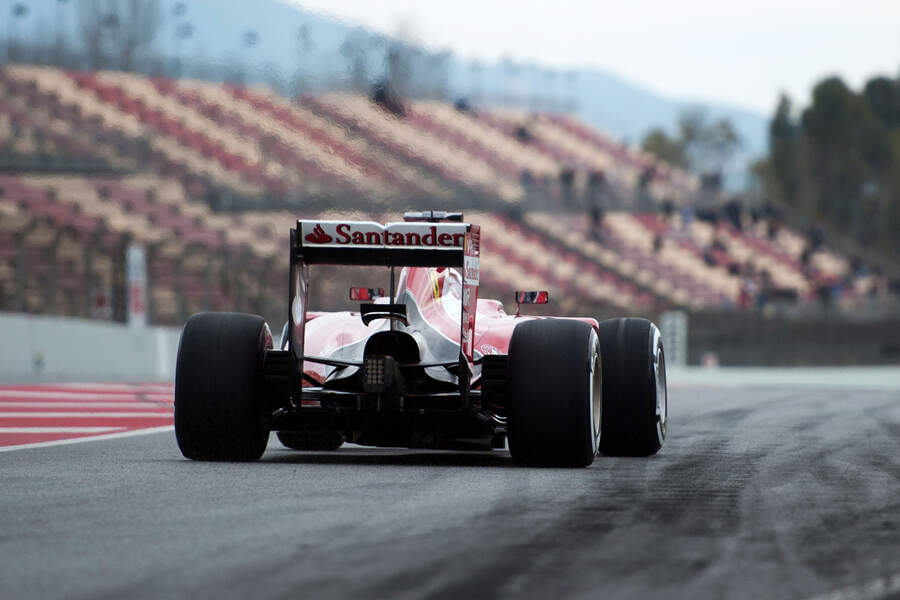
{"x": 327, "y": 439}
{"x": 218, "y": 387}
{"x": 635, "y": 402}
{"x": 555, "y": 387}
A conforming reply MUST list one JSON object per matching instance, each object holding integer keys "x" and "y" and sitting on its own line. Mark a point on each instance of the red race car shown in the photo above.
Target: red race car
{"x": 428, "y": 365}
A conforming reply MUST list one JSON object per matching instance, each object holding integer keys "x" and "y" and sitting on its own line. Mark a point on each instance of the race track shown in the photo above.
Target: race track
{"x": 50, "y": 414}
{"x": 760, "y": 492}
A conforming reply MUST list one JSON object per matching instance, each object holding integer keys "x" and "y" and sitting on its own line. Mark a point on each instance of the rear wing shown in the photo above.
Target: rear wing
{"x": 391, "y": 244}
{"x": 405, "y": 244}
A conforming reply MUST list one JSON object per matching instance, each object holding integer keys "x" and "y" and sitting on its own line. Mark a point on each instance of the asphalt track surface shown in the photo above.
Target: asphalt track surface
{"x": 760, "y": 492}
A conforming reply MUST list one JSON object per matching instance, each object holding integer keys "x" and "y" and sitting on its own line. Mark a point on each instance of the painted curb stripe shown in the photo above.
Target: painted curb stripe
{"x": 93, "y": 438}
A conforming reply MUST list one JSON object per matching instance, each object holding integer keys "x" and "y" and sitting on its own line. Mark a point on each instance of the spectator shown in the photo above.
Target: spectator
{"x": 383, "y": 95}
{"x": 567, "y": 182}
{"x": 596, "y": 187}
{"x": 733, "y": 214}
{"x": 523, "y": 135}
{"x": 646, "y": 177}
{"x": 462, "y": 105}
{"x": 827, "y": 291}
{"x": 766, "y": 287}
{"x": 755, "y": 215}
{"x": 668, "y": 208}
{"x": 718, "y": 245}
{"x": 687, "y": 218}
{"x": 815, "y": 237}
{"x": 806, "y": 261}
{"x": 707, "y": 215}
{"x": 746, "y": 292}
{"x": 596, "y": 214}
{"x": 894, "y": 287}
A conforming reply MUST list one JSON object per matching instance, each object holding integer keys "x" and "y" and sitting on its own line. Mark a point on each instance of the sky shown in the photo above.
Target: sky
{"x": 744, "y": 53}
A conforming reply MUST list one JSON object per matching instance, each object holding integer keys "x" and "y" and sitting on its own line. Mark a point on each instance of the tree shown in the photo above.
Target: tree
{"x": 839, "y": 163}
{"x": 398, "y": 74}
{"x": 658, "y": 143}
{"x": 117, "y": 33}
{"x": 90, "y": 17}
{"x": 707, "y": 146}
{"x": 782, "y": 165}
{"x": 701, "y": 146}
{"x": 60, "y": 52}
{"x": 720, "y": 143}
{"x": 306, "y": 47}
{"x": 354, "y": 52}
{"x": 883, "y": 96}
{"x": 19, "y": 12}
{"x": 438, "y": 73}
{"x": 849, "y": 149}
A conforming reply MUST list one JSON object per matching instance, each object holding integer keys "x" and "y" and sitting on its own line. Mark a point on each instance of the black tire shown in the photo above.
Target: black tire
{"x": 218, "y": 387}
{"x": 555, "y": 384}
{"x": 635, "y": 402}
{"x": 327, "y": 439}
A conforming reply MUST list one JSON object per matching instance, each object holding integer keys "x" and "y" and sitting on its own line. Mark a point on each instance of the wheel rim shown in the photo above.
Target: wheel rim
{"x": 596, "y": 392}
{"x": 662, "y": 400}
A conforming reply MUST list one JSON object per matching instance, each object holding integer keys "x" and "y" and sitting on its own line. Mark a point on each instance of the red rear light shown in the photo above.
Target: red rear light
{"x": 363, "y": 294}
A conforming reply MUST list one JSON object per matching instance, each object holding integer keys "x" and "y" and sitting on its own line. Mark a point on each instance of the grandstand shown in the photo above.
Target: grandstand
{"x": 208, "y": 177}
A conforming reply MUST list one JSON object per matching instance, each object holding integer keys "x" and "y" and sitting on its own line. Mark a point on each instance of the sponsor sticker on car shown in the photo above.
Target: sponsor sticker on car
{"x": 364, "y": 234}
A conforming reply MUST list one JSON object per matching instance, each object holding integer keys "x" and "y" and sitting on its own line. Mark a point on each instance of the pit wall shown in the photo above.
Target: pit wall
{"x": 46, "y": 349}
{"x": 752, "y": 340}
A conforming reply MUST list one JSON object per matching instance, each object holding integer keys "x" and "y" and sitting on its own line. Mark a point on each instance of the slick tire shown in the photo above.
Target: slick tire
{"x": 219, "y": 387}
{"x": 635, "y": 402}
{"x": 327, "y": 439}
{"x": 555, "y": 384}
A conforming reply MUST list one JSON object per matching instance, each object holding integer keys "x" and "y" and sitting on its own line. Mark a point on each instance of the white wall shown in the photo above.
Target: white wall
{"x": 34, "y": 348}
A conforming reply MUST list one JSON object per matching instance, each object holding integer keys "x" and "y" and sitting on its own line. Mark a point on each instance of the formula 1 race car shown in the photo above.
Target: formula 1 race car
{"x": 428, "y": 365}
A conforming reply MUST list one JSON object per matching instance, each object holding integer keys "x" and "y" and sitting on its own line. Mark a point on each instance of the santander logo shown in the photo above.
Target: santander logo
{"x": 362, "y": 234}
{"x": 318, "y": 236}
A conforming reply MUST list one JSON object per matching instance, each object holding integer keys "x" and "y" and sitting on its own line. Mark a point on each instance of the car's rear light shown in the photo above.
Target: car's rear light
{"x": 375, "y": 371}
{"x": 380, "y": 374}
{"x": 361, "y": 293}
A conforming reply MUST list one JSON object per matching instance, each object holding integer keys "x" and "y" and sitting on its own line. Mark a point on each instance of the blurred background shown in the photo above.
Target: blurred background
{"x": 733, "y": 173}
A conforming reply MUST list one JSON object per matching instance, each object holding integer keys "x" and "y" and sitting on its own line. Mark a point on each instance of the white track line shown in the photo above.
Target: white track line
{"x": 123, "y": 387}
{"x": 99, "y": 415}
{"x": 58, "y": 429}
{"x": 85, "y": 395}
{"x": 64, "y": 404}
{"x": 877, "y": 589}
{"x": 93, "y": 438}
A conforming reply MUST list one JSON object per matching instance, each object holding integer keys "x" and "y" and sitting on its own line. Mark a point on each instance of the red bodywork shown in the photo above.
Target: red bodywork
{"x": 434, "y": 299}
